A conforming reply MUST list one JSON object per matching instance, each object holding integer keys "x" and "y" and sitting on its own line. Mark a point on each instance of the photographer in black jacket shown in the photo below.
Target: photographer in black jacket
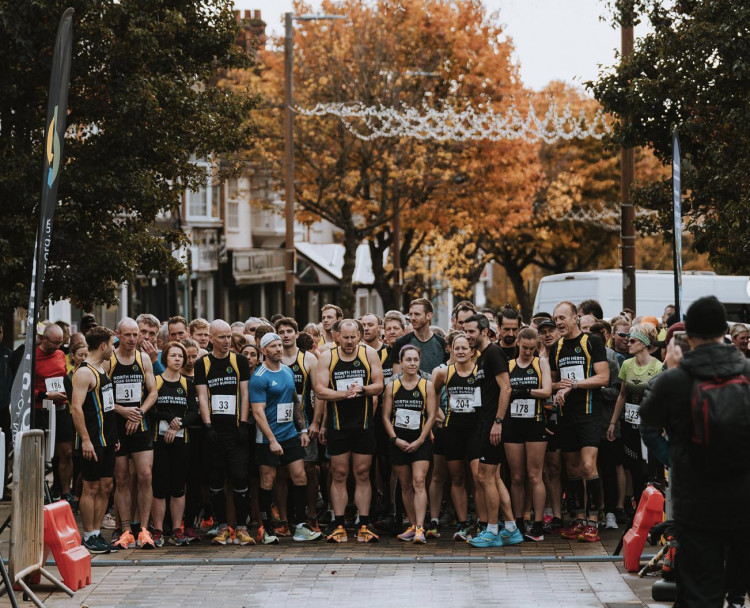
{"x": 710, "y": 502}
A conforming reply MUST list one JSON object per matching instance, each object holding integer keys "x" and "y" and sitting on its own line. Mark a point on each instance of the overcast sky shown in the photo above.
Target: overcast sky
{"x": 554, "y": 39}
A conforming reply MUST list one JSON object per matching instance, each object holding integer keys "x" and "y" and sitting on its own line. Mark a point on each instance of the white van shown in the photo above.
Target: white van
{"x": 654, "y": 291}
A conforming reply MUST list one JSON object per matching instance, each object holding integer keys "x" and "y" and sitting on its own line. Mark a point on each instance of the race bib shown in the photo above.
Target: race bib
{"x": 633, "y": 414}
{"x": 572, "y": 372}
{"x": 345, "y": 383}
{"x": 523, "y": 408}
{"x": 462, "y": 405}
{"x": 224, "y": 405}
{"x": 128, "y": 392}
{"x": 164, "y": 427}
{"x": 284, "y": 412}
{"x": 108, "y": 399}
{"x": 408, "y": 419}
{"x": 54, "y": 385}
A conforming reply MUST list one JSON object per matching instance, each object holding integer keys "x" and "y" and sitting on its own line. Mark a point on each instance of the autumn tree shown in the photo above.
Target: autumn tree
{"x": 142, "y": 106}
{"x": 692, "y": 70}
{"x": 438, "y": 54}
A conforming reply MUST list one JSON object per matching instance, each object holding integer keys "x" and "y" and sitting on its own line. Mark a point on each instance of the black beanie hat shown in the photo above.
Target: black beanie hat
{"x": 706, "y": 318}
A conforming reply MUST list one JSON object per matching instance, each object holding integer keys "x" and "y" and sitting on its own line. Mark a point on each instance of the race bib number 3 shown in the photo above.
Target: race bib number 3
{"x": 128, "y": 392}
{"x": 108, "y": 399}
{"x": 284, "y": 412}
{"x": 164, "y": 426}
{"x": 224, "y": 405}
{"x": 407, "y": 419}
{"x": 632, "y": 413}
{"x": 54, "y": 385}
{"x": 523, "y": 408}
{"x": 572, "y": 372}
{"x": 344, "y": 384}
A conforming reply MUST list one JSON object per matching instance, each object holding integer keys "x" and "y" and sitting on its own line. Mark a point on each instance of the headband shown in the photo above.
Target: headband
{"x": 640, "y": 336}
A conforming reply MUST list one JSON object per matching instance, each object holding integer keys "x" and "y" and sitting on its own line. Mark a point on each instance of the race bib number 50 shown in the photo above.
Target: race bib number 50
{"x": 284, "y": 412}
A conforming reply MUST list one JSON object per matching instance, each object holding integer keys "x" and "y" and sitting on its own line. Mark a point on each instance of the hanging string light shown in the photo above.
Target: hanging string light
{"x": 372, "y": 122}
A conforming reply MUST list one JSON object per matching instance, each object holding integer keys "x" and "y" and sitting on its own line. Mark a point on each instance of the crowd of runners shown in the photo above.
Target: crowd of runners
{"x": 492, "y": 432}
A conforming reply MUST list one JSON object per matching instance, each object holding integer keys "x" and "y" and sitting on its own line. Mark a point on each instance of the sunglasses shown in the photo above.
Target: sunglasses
{"x": 622, "y": 334}
{"x": 633, "y": 341}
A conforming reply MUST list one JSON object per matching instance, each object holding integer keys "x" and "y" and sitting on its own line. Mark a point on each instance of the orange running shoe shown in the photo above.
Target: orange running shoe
{"x": 145, "y": 540}
{"x": 282, "y": 529}
{"x": 337, "y": 535}
{"x": 126, "y": 540}
{"x": 366, "y": 534}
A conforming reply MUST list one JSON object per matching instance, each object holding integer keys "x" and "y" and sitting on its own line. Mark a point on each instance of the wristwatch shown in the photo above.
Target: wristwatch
{"x": 393, "y": 439}
{"x": 498, "y": 420}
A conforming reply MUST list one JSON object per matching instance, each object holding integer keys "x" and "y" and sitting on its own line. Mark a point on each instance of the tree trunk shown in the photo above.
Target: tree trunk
{"x": 346, "y": 290}
{"x": 515, "y": 276}
{"x": 382, "y": 282}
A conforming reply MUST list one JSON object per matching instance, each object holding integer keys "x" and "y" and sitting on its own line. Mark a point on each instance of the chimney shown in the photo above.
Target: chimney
{"x": 252, "y": 34}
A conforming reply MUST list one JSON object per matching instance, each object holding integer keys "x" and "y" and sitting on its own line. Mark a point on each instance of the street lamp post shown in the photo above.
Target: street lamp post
{"x": 289, "y": 19}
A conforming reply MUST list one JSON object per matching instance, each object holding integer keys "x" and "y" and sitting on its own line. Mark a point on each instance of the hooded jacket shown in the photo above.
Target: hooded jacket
{"x": 697, "y": 497}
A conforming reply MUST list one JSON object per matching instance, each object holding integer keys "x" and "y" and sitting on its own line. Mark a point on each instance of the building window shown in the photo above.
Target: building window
{"x": 233, "y": 215}
{"x": 204, "y": 202}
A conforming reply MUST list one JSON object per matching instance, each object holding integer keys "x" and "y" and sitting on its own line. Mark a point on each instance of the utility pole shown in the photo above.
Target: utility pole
{"x": 289, "y": 163}
{"x": 396, "y": 246}
{"x": 627, "y": 172}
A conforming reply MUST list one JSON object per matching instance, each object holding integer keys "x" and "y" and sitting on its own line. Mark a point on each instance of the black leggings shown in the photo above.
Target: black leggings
{"x": 170, "y": 468}
{"x": 197, "y": 477}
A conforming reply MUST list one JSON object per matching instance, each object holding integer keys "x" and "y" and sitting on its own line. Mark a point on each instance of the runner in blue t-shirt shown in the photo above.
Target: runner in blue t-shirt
{"x": 281, "y": 437}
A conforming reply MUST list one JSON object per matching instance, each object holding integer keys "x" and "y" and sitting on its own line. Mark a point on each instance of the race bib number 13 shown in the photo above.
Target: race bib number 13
{"x": 572, "y": 372}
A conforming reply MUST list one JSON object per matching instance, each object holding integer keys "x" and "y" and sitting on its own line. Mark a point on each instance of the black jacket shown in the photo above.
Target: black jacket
{"x": 698, "y": 499}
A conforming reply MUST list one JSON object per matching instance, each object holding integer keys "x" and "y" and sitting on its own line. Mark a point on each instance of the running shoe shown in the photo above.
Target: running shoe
{"x": 116, "y": 535}
{"x": 419, "y": 536}
{"x": 486, "y": 539}
{"x": 620, "y": 516}
{"x": 207, "y": 524}
{"x": 536, "y": 533}
{"x": 264, "y": 538}
{"x": 275, "y": 517}
{"x": 554, "y": 526}
{"x": 223, "y": 537}
{"x": 433, "y": 529}
{"x": 192, "y": 535}
{"x": 575, "y": 530}
{"x": 312, "y": 523}
{"x": 94, "y": 546}
{"x": 158, "y": 537}
{"x": 104, "y": 544}
{"x": 511, "y": 538}
{"x": 145, "y": 540}
{"x": 178, "y": 538}
{"x": 304, "y": 533}
{"x": 282, "y": 529}
{"x": 109, "y": 523}
{"x": 125, "y": 541}
{"x": 242, "y": 537}
{"x": 448, "y": 518}
{"x": 610, "y": 521}
{"x": 366, "y": 534}
{"x": 407, "y": 534}
{"x": 462, "y": 533}
{"x": 590, "y": 534}
{"x": 213, "y": 530}
{"x": 337, "y": 534}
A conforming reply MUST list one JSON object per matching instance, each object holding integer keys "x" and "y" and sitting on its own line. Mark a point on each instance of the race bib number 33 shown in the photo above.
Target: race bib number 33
{"x": 224, "y": 405}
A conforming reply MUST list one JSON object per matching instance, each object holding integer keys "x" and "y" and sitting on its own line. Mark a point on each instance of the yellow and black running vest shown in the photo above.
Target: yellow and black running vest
{"x": 349, "y": 414}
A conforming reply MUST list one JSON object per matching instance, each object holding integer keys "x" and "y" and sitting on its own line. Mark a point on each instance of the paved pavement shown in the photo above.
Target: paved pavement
{"x": 554, "y": 573}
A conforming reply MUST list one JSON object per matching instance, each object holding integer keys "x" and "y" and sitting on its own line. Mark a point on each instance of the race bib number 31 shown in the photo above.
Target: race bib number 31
{"x": 407, "y": 419}
{"x": 284, "y": 412}
{"x": 523, "y": 408}
{"x": 128, "y": 392}
{"x": 224, "y": 405}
